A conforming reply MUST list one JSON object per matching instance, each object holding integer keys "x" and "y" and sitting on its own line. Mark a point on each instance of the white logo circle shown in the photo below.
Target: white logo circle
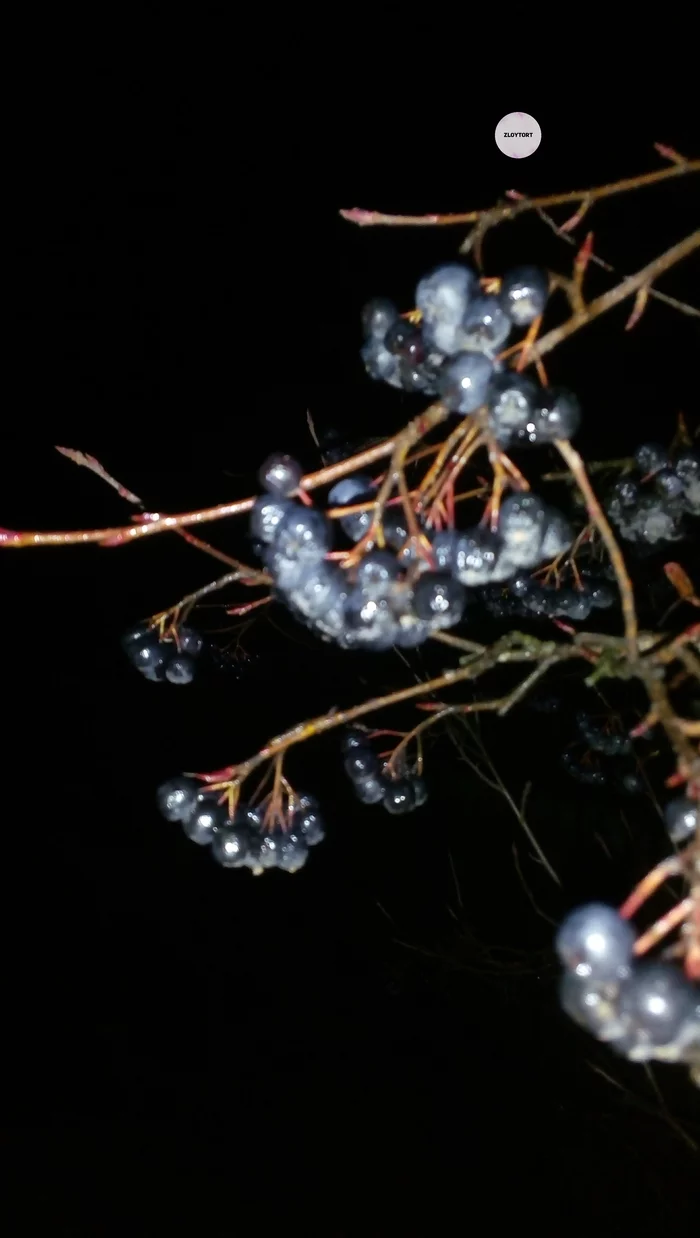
{"x": 518, "y": 135}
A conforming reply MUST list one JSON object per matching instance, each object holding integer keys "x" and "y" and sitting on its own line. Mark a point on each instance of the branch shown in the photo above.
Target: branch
{"x": 598, "y": 517}
{"x": 613, "y": 297}
{"x": 502, "y": 212}
{"x": 121, "y": 536}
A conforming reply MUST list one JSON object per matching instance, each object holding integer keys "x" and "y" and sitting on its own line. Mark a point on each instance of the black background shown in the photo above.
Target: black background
{"x": 186, "y": 1037}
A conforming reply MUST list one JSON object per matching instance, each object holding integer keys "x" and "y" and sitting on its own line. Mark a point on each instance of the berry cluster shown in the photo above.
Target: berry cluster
{"x": 397, "y": 791}
{"x": 645, "y": 1011}
{"x": 606, "y": 759}
{"x": 527, "y": 597}
{"x": 243, "y": 841}
{"x": 651, "y": 507}
{"x": 453, "y": 352}
{"x": 402, "y": 594}
{"x": 172, "y": 658}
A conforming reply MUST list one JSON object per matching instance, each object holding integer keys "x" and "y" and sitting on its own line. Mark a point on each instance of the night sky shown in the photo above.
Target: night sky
{"x": 374, "y": 1045}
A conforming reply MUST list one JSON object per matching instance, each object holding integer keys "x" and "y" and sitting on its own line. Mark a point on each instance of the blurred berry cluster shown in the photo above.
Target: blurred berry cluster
{"x": 602, "y": 756}
{"x": 243, "y": 841}
{"x": 645, "y": 1011}
{"x": 527, "y": 597}
{"x": 401, "y": 594}
{"x": 172, "y": 658}
{"x": 398, "y": 791}
{"x": 650, "y": 508}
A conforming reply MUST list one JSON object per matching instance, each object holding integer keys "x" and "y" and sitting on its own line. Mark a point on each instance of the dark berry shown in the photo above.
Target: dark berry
{"x": 486, "y": 326}
{"x": 377, "y": 570}
{"x": 180, "y": 669}
{"x": 205, "y": 819}
{"x": 594, "y": 941}
{"x": 668, "y": 484}
{"x": 348, "y": 492}
{"x": 558, "y": 415}
{"x": 443, "y": 298}
{"x": 360, "y": 762}
{"x": 420, "y": 791}
{"x": 380, "y": 364}
{"x": 267, "y": 516}
{"x": 292, "y": 852}
{"x": 524, "y": 292}
{"x": 309, "y": 825}
{"x": 475, "y": 555}
{"x": 377, "y": 316}
{"x": 593, "y": 1005}
{"x": 190, "y": 642}
{"x": 404, "y": 340}
{"x": 463, "y": 381}
{"x": 395, "y": 527}
{"x": 280, "y": 475}
{"x": 512, "y": 400}
{"x": 657, "y": 1001}
{"x": 230, "y": 846}
{"x": 400, "y": 797}
{"x": 651, "y": 457}
{"x": 370, "y": 789}
{"x": 439, "y": 599}
{"x": 353, "y": 740}
{"x": 150, "y": 658}
{"x": 681, "y": 817}
{"x": 687, "y": 466}
{"x": 177, "y": 797}
{"x": 303, "y": 535}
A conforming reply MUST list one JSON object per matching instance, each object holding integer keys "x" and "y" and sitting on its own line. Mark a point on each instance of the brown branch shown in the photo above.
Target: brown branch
{"x": 506, "y": 211}
{"x": 596, "y": 514}
{"x": 510, "y": 648}
{"x": 613, "y": 297}
{"x": 594, "y": 258}
{"x": 121, "y": 536}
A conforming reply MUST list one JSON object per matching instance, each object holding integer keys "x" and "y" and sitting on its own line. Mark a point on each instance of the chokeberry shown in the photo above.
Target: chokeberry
{"x": 230, "y": 846}
{"x": 439, "y": 599}
{"x": 400, "y": 796}
{"x": 524, "y": 292}
{"x": 377, "y": 316}
{"x": 463, "y": 381}
{"x": 681, "y": 817}
{"x": 180, "y": 669}
{"x": 280, "y": 475}
{"x": 594, "y": 941}
{"x": 177, "y": 797}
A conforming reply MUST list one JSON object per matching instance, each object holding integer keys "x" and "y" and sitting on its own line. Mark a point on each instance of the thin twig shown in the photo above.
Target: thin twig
{"x": 507, "y": 211}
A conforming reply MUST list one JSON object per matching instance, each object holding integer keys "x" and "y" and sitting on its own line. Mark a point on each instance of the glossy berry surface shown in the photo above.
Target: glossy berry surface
{"x": 400, "y": 797}
{"x": 370, "y": 789}
{"x": 656, "y": 1002}
{"x": 681, "y": 817}
{"x": 378, "y": 315}
{"x": 439, "y": 599}
{"x": 177, "y": 797}
{"x": 206, "y": 817}
{"x": 593, "y": 941}
{"x": 280, "y": 475}
{"x": 463, "y": 381}
{"x": 180, "y": 669}
{"x": 230, "y": 846}
{"x": 523, "y": 295}
{"x": 360, "y": 762}
{"x": 267, "y": 516}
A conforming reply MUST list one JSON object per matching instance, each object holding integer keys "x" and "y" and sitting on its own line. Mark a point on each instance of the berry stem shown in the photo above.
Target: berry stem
{"x": 596, "y": 514}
